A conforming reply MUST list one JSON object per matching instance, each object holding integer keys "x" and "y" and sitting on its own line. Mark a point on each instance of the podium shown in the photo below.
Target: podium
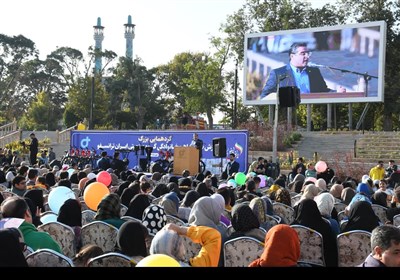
{"x": 186, "y": 158}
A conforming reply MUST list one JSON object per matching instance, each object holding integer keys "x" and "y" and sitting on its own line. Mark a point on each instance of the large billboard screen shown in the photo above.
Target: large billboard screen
{"x": 331, "y": 64}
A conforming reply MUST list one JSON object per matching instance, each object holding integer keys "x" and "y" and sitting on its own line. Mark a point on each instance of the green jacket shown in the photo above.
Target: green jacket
{"x": 37, "y": 239}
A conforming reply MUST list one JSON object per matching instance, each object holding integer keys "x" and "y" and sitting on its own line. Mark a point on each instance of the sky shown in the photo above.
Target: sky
{"x": 163, "y": 28}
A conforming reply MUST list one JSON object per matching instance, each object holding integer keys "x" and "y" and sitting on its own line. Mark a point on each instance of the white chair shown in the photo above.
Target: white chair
{"x": 175, "y": 220}
{"x": 123, "y": 210}
{"x": 112, "y": 259}
{"x": 396, "y": 220}
{"x": 284, "y": 211}
{"x": 380, "y": 211}
{"x": 129, "y": 218}
{"x": 63, "y": 234}
{"x": 48, "y": 258}
{"x": 192, "y": 249}
{"x": 241, "y": 251}
{"x": 87, "y": 216}
{"x": 353, "y": 247}
{"x": 311, "y": 245}
{"x": 100, "y": 233}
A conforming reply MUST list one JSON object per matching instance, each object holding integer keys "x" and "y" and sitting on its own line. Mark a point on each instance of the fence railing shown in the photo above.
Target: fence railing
{"x": 11, "y": 137}
{"x": 64, "y": 135}
{"x": 8, "y": 128}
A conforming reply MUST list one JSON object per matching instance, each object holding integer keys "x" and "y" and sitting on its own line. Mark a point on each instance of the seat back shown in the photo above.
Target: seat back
{"x": 272, "y": 220}
{"x": 112, "y": 259}
{"x": 175, "y": 220}
{"x": 284, "y": 211}
{"x": 341, "y": 216}
{"x": 339, "y": 206}
{"x": 100, "y": 233}
{"x": 48, "y": 258}
{"x": 192, "y": 249}
{"x": 63, "y": 234}
{"x": 380, "y": 211}
{"x": 396, "y": 220}
{"x": 28, "y": 250}
{"x": 129, "y": 218}
{"x": 241, "y": 251}
{"x": 7, "y": 194}
{"x": 311, "y": 245}
{"x": 87, "y": 216}
{"x": 353, "y": 247}
{"x": 123, "y": 210}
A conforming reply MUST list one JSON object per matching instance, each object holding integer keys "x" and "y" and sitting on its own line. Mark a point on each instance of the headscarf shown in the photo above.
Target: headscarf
{"x": 131, "y": 239}
{"x": 325, "y": 202}
{"x": 281, "y": 248}
{"x": 36, "y": 195}
{"x": 243, "y": 218}
{"x": 137, "y": 205}
{"x": 11, "y": 253}
{"x": 259, "y": 208}
{"x": 50, "y": 179}
{"x": 109, "y": 208}
{"x": 268, "y": 202}
{"x": 70, "y": 213}
{"x": 308, "y": 215}
{"x": 205, "y": 212}
{"x": 202, "y": 189}
{"x": 154, "y": 218}
{"x": 380, "y": 198}
{"x": 128, "y": 194}
{"x": 283, "y": 196}
{"x": 310, "y": 191}
{"x": 336, "y": 190}
{"x": 170, "y": 202}
{"x": 321, "y": 184}
{"x": 190, "y": 198}
{"x": 347, "y": 195}
{"x": 159, "y": 190}
{"x": 361, "y": 217}
{"x": 363, "y": 188}
{"x": 168, "y": 242}
{"x": 122, "y": 187}
{"x": 299, "y": 177}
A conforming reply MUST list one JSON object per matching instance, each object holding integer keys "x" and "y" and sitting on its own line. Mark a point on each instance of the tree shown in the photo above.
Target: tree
{"x": 40, "y": 114}
{"x": 14, "y": 52}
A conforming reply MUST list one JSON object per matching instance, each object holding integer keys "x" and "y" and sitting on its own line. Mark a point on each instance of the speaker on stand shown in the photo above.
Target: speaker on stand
{"x": 219, "y": 149}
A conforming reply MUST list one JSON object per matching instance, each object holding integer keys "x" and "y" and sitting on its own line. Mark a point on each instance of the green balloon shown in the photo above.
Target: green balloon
{"x": 240, "y": 178}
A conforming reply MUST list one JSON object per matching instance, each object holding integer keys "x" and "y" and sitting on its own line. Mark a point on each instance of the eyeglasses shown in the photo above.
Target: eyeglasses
{"x": 304, "y": 53}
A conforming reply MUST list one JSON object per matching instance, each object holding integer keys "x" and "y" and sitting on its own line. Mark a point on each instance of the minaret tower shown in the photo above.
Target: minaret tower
{"x": 129, "y": 36}
{"x": 98, "y": 38}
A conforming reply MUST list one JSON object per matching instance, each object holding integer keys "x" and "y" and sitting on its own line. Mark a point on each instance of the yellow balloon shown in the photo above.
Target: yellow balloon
{"x": 158, "y": 260}
{"x": 94, "y": 193}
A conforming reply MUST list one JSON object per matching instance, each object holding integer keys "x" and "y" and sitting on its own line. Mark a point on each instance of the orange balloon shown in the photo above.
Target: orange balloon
{"x": 94, "y": 193}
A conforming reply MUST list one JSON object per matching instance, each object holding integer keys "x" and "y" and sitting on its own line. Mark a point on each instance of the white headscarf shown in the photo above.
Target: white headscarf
{"x": 325, "y": 202}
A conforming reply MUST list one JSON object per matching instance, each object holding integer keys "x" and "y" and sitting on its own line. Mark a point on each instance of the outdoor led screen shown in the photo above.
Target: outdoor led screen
{"x": 346, "y": 61}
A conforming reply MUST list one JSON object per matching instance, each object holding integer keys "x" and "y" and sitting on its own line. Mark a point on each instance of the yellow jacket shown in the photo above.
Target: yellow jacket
{"x": 210, "y": 240}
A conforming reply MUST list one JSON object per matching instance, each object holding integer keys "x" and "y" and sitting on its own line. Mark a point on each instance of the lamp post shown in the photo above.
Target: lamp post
{"x": 235, "y": 97}
{"x": 91, "y": 124}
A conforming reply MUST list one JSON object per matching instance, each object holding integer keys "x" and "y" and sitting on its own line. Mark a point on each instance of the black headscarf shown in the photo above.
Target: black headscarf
{"x": 36, "y": 195}
{"x": 190, "y": 198}
{"x": 11, "y": 253}
{"x": 137, "y": 205}
{"x": 243, "y": 218}
{"x": 70, "y": 213}
{"x": 131, "y": 239}
{"x": 159, "y": 190}
{"x": 362, "y": 217}
{"x": 32, "y": 207}
{"x": 202, "y": 189}
{"x": 128, "y": 194}
{"x": 308, "y": 215}
{"x": 380, "y": 198}
{"x": 122, "y": 187}
{"x": 109, "y": 208}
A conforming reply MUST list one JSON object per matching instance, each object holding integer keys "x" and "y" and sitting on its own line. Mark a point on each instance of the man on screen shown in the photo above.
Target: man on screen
{"x": 297, "y": 73}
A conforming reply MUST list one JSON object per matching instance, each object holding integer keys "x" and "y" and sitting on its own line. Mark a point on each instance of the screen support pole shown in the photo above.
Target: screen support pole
{"x": 275, "y": 136}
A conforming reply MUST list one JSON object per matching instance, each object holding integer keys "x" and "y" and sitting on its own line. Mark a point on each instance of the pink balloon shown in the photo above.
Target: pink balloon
{"x": 321, "y": 166}
{"x": 104, "y": 177}
{"x": 262, "y": 181}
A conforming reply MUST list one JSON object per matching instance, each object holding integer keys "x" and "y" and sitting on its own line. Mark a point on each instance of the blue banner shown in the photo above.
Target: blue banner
{"x": 111, "y": 140}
